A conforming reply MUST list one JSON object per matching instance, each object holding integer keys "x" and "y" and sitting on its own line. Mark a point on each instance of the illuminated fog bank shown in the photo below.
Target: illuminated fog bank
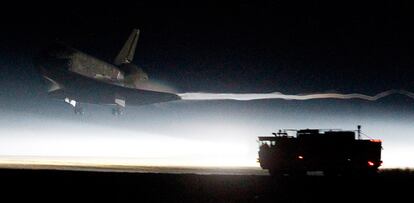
{"x": 109, "y": 146}
{"x": 398, "y": 157}
{"x": 192, "y": 141}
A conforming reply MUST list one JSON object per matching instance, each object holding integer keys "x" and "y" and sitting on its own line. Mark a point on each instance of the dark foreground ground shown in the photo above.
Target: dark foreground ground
{"x": 78, "y": 186}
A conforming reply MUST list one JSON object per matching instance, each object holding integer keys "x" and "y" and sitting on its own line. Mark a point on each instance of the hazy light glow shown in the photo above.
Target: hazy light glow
{"x": 184, "y": 137}
{"x": 278, "y": 95}
{"x": 397, "y": 157}
{"x": 123, "y": 147}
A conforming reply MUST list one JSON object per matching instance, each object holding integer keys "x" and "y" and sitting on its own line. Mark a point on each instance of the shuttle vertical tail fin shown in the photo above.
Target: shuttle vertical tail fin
{"x": 126, "y": 55}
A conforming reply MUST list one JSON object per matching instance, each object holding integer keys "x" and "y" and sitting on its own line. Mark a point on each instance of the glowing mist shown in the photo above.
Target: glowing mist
{"x": 278, "y": 95}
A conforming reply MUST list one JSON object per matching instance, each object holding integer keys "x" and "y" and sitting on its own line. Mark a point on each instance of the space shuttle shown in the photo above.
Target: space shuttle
{"x": 76, "y": 77}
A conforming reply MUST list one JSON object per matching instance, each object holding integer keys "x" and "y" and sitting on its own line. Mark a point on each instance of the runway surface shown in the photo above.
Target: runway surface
{"x": 155, "y": 185}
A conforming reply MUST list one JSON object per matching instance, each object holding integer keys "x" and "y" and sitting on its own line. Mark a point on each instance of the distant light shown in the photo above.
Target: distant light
{"x": 370, "y": 163}
{"x": 300, "y": 157}
{"x": 375, "y": 140}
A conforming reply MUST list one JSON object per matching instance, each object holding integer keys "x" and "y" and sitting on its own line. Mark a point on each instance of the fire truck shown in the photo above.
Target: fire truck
{"x": 333, "y": 152}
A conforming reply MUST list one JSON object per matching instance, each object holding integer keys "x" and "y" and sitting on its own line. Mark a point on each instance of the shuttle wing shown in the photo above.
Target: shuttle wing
{"x": 85, "y": 90}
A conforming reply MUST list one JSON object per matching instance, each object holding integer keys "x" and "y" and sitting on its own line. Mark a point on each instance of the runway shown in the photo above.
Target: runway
{"x": 91, "y": 186}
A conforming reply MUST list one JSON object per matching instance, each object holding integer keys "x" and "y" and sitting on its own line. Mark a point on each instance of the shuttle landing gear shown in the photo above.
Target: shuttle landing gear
{"x": 118, "y": 110}
{"x": 77, "y": 109}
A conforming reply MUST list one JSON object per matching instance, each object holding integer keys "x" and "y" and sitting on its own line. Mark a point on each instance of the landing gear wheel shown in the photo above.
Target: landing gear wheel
{"x": 117, "y": 111}
{"x": 78, "y": 110}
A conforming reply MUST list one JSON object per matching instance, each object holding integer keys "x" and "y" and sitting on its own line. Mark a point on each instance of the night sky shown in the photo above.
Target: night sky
{"x": 244, "y": 47}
